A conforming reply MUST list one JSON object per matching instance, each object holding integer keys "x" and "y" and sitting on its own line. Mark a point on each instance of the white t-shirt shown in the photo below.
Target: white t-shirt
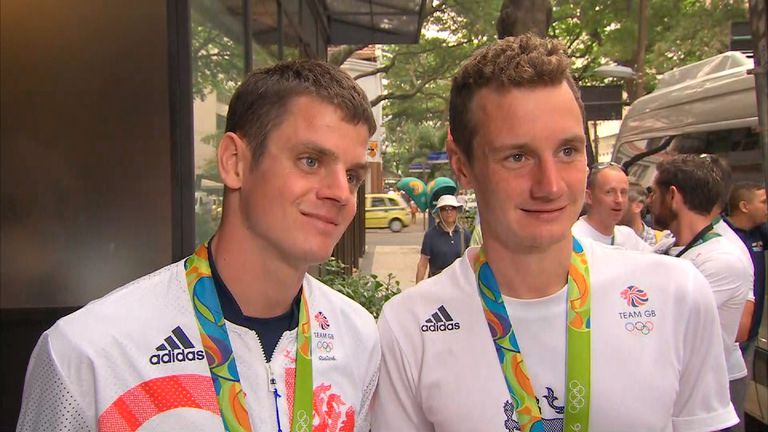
{"x": 623, "y": 236}
{"x": 656, "y": 366}
{"x": 106, "y": 366}
{"x": 724, "y": 230}
{"x": 731, "y": 282}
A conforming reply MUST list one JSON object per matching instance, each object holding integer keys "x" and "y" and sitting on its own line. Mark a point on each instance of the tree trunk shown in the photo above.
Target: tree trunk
{"x": 518, "y": 17}
{"x": 637, "y": 89}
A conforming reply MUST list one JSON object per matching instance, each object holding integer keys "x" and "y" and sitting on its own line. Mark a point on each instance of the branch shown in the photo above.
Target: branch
{"x": 405, "y": 95}
{"x": 341, "y": 54}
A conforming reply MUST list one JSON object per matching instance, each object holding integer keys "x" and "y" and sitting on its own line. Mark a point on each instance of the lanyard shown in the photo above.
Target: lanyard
{"x": 221, "y": 359}
{"x": 578, "y": 345}
{"x": 701, "y": 237}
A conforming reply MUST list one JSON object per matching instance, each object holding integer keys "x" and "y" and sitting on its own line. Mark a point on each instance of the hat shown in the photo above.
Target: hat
{"x": 447, "y": 200}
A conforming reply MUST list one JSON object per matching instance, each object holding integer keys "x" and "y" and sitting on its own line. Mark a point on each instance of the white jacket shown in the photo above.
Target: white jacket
{"x": 107, "y": 367}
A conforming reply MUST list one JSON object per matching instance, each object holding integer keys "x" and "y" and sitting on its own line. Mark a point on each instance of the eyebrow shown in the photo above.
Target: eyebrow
{"x": 330, "y": 154}
{"x": 504, "y": 148}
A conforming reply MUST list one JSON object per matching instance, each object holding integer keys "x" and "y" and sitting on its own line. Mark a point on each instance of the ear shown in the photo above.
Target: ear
{"x": 743, "y": 207}
{"x": 637, "y": 207}
{"x": 459, "y": 164}
{"x": 674, "y": 197}
{"x": 233, "y": 160}
{"x": 588, "y": 196}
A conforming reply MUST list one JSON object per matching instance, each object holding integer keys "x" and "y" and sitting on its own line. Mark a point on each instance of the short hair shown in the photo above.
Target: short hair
{"x": 696, "y": 177}
{"x": 262, "y": 99}
{"x": 637, "y": 193}
{"x": 742, "y": 191}
{"x": 514, "y": 62}
{"x": 596, "y": 169}
{"x": 726, "y": 177}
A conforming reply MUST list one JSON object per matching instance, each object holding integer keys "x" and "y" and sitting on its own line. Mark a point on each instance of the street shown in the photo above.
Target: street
{"x": 396, "y": 253}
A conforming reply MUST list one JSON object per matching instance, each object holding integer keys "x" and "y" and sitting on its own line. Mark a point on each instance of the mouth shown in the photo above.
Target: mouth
{"x": 544, "y": 212}
{"x": 322, "y": 218}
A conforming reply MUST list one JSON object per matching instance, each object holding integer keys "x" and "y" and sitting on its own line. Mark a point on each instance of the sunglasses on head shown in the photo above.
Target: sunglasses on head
{"x": 603, "y": 165}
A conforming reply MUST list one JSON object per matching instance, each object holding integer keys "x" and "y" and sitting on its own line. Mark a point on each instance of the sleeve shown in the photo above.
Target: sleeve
{"x": 728, "y": 277}
{"x": 396, "y": 406}
{"x": 426, "y": 250}
{"x": 374, "y": 361}
{"x": 49, "y": 403}
{"x": 703, "y": 401}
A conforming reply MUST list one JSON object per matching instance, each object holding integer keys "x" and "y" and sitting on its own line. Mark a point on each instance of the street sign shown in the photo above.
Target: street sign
{"x": 418, "y": 167}
{"x": 437, "y": 157}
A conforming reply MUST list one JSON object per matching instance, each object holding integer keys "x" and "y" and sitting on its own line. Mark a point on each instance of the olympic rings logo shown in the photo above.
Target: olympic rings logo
{"x": 639, "y": 326}
{"x": 302, "y": 421}
{"x": 324, "y": 346}
{"x": 576, "y": 393}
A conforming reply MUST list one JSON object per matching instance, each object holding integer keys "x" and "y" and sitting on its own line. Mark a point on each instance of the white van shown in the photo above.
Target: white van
{"x": 706, "y": 107}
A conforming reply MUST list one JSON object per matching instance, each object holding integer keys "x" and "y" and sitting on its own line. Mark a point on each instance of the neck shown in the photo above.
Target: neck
{"x": 740, "y": 221}
{"x": 687, "y": 225}
{"x": 262, "y": 284}
{"x": 604, "y": 228}
{"x": 448, "y": 227}
{"x": 638, "y": 226}
{"x": 529, "y": 274}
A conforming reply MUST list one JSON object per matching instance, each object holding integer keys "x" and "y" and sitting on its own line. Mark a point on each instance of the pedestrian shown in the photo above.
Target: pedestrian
{"x": 685, "y": 190}
{"x": 445, "y": 241}
{"x": 536, "y": 330}
{"x": 248, "y": 340}
{"x": 414, "y": 209}
{"x": 606, "y": 202}
{"x": 747, "y": 217}
{"x": 633, "y": 216}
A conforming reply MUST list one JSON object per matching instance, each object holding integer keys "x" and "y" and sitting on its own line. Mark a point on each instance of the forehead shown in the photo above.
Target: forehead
{"x": 517, "y": 115}
{"x": 611, "y": 177}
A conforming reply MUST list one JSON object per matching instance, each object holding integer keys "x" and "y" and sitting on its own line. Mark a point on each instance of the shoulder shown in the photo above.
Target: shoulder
{"x": 128, "y": 322}
{"x": 127, "y": 306}
{"x": 617, "y": 267}
{"x": 352, "y": 316}
{"x": 454, "y": 289}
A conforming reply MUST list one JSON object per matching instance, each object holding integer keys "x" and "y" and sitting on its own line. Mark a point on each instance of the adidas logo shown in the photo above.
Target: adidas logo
{"x": 176, "y": 348}
{"x": 440, "y": 320}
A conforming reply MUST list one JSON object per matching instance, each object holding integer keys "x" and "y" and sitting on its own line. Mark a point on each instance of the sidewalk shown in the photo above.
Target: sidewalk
{"x": 396, "y": 253}
{"x": 398, "y": 260}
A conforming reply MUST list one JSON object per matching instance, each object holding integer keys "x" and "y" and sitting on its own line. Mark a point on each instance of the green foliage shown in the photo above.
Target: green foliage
{"x": 367, "y": 290}
{"x": 680, "y": 32}
{"x": 595, "y": 32}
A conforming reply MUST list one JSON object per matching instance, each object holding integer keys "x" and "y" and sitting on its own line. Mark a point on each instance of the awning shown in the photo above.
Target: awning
{"x": 375, "y": 21}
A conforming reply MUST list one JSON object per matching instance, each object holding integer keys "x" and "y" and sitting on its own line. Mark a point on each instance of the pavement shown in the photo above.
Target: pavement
{"x": 396, "y": 253}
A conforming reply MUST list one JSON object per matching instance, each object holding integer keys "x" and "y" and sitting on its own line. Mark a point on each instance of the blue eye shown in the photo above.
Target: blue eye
{"x": 310, "y": 162}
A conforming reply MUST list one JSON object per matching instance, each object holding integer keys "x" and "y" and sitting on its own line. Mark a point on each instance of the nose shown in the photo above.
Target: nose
{"x": 547, "y": 180}
{"x": 334, "y": 186}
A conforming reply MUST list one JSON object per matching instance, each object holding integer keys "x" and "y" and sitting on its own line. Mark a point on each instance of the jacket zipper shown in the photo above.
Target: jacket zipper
{"x": 271, "y": 381}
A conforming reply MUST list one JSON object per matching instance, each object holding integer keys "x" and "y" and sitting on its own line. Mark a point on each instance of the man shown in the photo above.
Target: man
{"x": 606, "y": 198}
{"x": 283, "y": 350}
{"x": 685, "y": 190}
{"x": 484, "y": 345}
{"x": 445, "y": 241}
{"x": 633, "y": 218}
{"x": 748, "y": 215}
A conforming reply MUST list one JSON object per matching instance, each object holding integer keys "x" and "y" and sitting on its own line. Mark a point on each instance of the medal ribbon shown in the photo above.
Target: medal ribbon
{"x": 578, "y": 345}
{"x": 221, "y": 359}
{"x": 701, "y": 237}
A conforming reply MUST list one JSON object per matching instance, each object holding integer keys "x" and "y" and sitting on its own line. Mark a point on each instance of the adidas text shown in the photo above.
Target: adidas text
{"x": 440, "y": 327}
{"x": 176, "y": 356}
{"x": 440, "y": 321}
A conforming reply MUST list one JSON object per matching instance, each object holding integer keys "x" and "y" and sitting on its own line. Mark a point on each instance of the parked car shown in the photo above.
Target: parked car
{"x": 386, "y": 211}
